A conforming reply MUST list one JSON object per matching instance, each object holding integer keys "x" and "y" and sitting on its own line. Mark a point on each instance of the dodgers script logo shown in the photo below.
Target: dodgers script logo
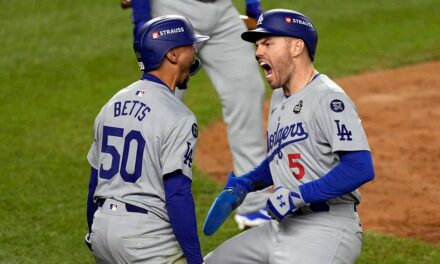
{"x": 284, "y": 136}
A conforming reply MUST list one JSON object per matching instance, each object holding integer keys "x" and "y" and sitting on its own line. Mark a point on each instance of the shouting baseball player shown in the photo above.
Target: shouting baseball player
{"x": 142, "y": 155}
{"x": 229, "y": 63}
{"x": 317, "y": 157}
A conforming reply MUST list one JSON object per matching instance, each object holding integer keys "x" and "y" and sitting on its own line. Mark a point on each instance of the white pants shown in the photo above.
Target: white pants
{"x": 316, "y": 238}
{"x": 231, "y": 66}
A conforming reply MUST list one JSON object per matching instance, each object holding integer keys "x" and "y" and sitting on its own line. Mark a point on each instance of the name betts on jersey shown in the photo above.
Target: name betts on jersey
{"x": 134, "y": 108}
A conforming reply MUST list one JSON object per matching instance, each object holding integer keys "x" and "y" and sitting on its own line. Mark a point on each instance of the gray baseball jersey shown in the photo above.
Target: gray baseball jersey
{"x": 305, "y": 132}
{"x": 307, "y": 129}
{"x": 141, "y": 134}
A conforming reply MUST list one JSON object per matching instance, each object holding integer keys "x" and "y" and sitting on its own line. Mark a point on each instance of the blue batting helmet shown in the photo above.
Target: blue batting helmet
{"x": 157, "y": 36}
{"x": 284, "y": 22}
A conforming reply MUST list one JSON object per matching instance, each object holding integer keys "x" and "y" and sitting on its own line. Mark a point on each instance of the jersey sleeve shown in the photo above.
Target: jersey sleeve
{"x": 93, "y": 156}
{"x": 179, "y": 147}
{"x": 340, "y": 125}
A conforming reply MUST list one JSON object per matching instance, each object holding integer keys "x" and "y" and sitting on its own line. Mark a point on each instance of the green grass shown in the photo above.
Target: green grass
{"x": 386, "y": 249}
{"x": 60, "y": 61}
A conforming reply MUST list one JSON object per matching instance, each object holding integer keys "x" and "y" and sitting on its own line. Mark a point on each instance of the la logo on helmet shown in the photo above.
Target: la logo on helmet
{"x": 260, "y": 20}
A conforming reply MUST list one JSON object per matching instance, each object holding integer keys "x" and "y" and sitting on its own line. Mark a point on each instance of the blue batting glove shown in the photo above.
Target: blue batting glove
{"x": 230, "y": 198}
{"x": 283, "y": 202}
{"x": 238, "y": 182}
{"x": 220, "y": 210}
{"x": 253, "y": 8}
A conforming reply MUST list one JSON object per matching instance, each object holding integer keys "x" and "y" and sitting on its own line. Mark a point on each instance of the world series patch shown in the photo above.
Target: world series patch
{"x": 337, "y": 105}
{"x": 298, "y": 107}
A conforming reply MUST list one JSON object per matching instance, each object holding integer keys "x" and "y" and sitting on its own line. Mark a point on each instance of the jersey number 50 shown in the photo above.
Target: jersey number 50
{"x": 120, "y": 164}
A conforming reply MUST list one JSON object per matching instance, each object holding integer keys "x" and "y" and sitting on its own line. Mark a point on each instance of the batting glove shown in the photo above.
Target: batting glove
{"x": 230, "y": 198}
{"x": 88, "y": 242}
{"x": 253, "y": 8}
{"x": 283, "y": 202}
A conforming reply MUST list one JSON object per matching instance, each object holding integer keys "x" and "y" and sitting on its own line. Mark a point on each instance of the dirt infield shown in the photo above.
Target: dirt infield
{"x": 400, "y": 110}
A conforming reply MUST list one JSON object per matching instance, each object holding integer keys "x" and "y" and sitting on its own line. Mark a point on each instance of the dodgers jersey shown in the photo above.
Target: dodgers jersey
{"x": 141, "y": 134}
{"x": 307, "y": 129}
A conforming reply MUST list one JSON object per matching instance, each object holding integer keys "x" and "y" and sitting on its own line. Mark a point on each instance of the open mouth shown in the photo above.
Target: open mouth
{"x": 267, "y": 69}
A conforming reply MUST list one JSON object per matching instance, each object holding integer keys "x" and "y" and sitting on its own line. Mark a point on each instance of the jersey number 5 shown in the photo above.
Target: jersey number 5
{"x": 120, "y": 164}
{"x": 296, "y": 168}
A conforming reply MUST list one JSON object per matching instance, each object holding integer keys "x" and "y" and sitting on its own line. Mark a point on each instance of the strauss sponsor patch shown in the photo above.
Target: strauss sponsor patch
{"x": 289, "y": 20}
{"x": 158, "y": 34}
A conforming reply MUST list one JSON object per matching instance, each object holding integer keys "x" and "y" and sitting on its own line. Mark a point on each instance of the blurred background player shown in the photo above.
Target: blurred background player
{"x": 232, "y": 69}
{"x": 317, "y": 158}
{"x": 140, "y": 205}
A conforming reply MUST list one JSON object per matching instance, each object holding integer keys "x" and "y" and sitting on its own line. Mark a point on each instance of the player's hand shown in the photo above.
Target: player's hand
{"x": 125, "y": 4}
{"x": 87, "y": 241}
{"x": 224, "y": 204}
{"x": 230, "y": 198}
{"x": 283, "y": 202}
{"x": 253, "y": 8}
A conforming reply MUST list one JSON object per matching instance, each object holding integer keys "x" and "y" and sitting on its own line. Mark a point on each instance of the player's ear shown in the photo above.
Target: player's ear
{"x": 172, "y": 56}
{"x": 296, "y": 47}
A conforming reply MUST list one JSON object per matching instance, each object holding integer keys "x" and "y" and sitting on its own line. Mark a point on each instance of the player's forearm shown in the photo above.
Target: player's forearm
{"x": 355, "y": 169}
{"x": 256, "y": 179}
{"x": 181, "y": 211}
{"x": 253, "y": 8}
{"x": 183, "y": 221}
{"x": 91, "y": 205}
{"x": 141, "y": 12}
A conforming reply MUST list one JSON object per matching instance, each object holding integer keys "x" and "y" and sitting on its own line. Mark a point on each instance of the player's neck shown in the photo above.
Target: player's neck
{"x": 169, "y": 79}
{"x": 302, "y": 75}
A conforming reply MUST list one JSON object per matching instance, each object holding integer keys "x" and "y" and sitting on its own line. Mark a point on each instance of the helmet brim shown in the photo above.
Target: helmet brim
{"x": 256, "y": 34}
{"x": 200, "y": 38}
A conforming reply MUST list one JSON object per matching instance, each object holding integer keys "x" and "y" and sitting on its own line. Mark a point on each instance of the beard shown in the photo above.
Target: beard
{"x": 282, "y": 72}
{"x": 184, "y": 83}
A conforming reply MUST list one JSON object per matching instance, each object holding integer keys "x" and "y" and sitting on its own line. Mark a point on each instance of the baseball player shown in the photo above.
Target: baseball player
{"x": 317, "y": 157}
{"x": 142, "y": 155}
{"x": 229, "y": 63}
